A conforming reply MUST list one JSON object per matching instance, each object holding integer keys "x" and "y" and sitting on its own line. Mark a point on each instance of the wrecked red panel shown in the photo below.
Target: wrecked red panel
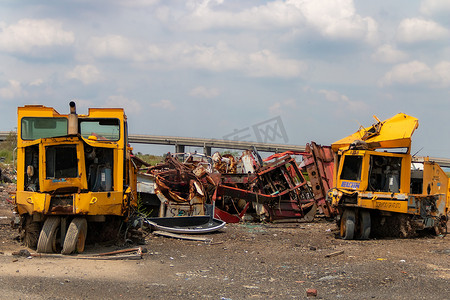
{"x": 224, "y": 216}
{"x": 278, "y": 190}
{"x": 278, "y": 155}
{"x": 319, "y": 164}
{"x": 231, "y": 179}
{"x": 223, "y": 190}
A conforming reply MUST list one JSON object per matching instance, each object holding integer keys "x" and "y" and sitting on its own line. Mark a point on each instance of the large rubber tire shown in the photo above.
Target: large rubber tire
{"x": 31, "y": 231}
{"x": 365, "y": 224}
{"x": 75, "y": 236}
{"x": 347, "y": 227}
{"x": 47, "y": 238}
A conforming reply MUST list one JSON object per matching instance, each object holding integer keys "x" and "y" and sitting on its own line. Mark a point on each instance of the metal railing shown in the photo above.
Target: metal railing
{"x": 225, "y": 144}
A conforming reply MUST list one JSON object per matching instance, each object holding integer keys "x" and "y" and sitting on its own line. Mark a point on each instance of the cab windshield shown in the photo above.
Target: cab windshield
{"x": 33, "y": 128}
{"x": 103, "y": 129}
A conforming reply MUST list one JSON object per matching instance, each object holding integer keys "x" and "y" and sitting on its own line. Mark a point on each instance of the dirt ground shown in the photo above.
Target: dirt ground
{"x": 243, "y": 261}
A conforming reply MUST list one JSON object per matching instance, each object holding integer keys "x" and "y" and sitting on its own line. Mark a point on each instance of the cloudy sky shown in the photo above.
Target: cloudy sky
{"x": 204, "y": 68}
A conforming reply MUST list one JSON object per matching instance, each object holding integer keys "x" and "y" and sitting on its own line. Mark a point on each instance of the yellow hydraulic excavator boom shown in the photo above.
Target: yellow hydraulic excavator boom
{"x": 395, "y": 132}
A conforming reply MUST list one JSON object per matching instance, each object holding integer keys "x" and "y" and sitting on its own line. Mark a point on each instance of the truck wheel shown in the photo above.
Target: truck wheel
{"x": 365, "y": 222}
{"x": 75, "y": 236}
{"x": 347, "y": 229}
{"x": 31, "y": 230}
{"x": 47, "y": 238}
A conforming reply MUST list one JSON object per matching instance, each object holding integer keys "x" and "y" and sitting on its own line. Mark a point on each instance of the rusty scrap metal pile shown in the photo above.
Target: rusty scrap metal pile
{"x": 249, "y": 188}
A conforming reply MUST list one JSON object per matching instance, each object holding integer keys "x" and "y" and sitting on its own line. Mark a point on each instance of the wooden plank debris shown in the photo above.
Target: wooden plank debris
{"x": 335, "y": 253}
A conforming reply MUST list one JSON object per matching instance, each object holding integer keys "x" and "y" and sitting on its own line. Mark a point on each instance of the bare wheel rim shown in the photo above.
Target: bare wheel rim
{"x": 80, "y": 242}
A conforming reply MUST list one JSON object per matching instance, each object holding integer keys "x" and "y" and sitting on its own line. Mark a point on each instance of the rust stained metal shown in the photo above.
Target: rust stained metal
{"x": 278, "y": 190}
{"x": 224, "y": 163}
{"x": 180, "y": 191}
{"x": 275, "y": 191}
{"x": 133, "y": 253}
{"x": 318, "y": 162}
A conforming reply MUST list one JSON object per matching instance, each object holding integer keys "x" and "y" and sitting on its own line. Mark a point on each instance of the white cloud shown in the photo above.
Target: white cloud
{"x": 13, "y": 90}
{"x": 343, "y": 101}
{"x": 332, "y": 19}
{"x": 217, "y": 58}
{"x": 138, "y": 3}
{"x": 435, "y": 7}
{"x": 114, "y": 46}
{"x": 266, "y": 64}
{"x": 207, "y": 14}
{"x": 28, "y": 34}
{"x": 442, "y": 70}
{"x": 337, "y": 19}
{"x": 388, "y": 54}
{"x": 416, "y": 72}
{"x": 204, "y": 92}
{"x": 281, "y": 106}
{"x": 221, "y": 58}
{"x": 409, "y": 73}
{"x": 164, "y": 104}
{"x": 87, "y": 74}
{"x": 129, "y": 105}
{"x": 37, "y": 82}
{"x": 416, "y": 30}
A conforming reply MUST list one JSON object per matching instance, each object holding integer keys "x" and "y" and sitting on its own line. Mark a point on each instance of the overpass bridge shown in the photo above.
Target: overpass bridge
{"x": 207, "y": 144}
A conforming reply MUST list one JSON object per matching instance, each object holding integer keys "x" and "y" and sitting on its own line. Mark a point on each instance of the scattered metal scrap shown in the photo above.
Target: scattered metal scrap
{"x": 182, "y": 236}
{"x": 233, "y": 189}
{"x": 187, "y": 225}
{"x": 277, "y": 190}
{"x": 132, "y": 253}
{"x": 178, "y": 188}
{"x": 6, "y": 175}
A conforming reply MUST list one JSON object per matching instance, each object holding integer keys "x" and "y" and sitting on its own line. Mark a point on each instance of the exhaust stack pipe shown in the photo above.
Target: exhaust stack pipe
{"x": 73, "y": 119}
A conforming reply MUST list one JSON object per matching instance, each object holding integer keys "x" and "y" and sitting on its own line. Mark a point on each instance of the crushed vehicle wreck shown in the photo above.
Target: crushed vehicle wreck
{"x": 230, "y": 188}
{"x": 73, "y": 171}
{"x": 379, "y": 187}
{"x": 277, "y": 191}
{"x": 179, "y": 188}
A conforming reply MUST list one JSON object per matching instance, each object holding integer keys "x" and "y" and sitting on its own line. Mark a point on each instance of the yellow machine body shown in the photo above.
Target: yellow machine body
{"x": 85, "y": 169}
{"x": 376, "y": 174}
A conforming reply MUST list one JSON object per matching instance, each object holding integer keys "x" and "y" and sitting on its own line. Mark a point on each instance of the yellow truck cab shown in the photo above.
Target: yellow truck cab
{"x": 71, "y": 170}
{"x": 380, "y": 188}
